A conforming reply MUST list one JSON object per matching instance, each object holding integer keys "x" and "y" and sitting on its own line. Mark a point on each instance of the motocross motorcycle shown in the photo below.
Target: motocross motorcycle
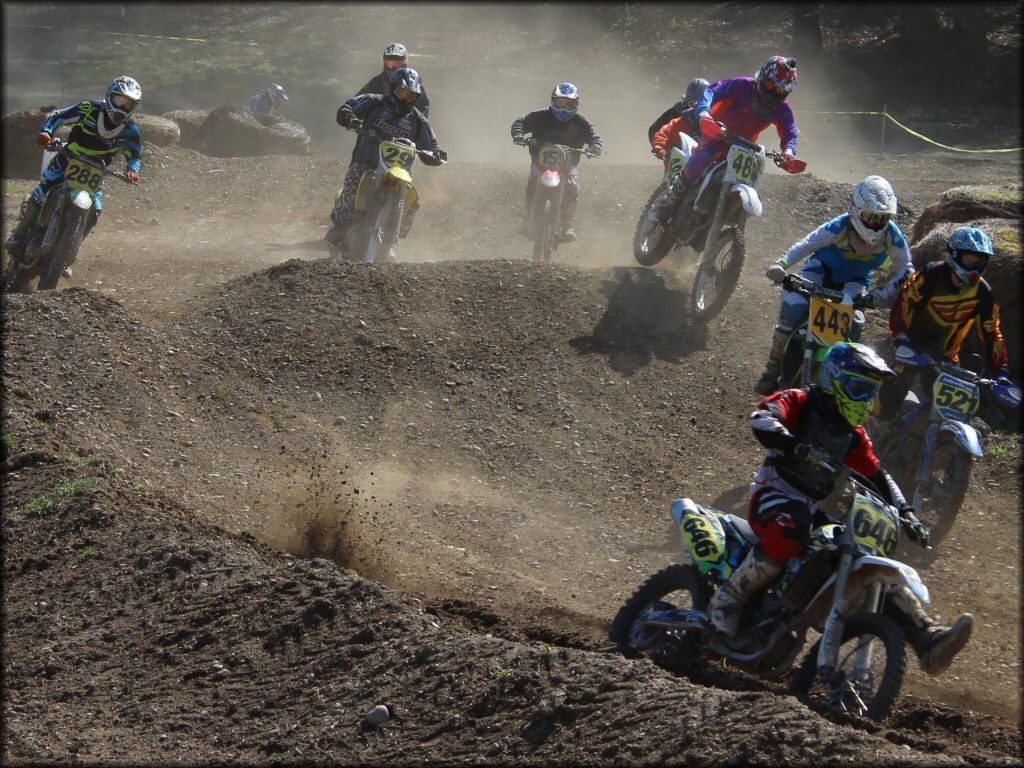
{"x": 67, "y": 211}
{"x": 382, "y": 198}
{"x": 710, "y": 219}
{"x": 837, "y": 587}
{"x": 831, "y": 318}
{"x": 544, "y": 223}
{"x": 931, "y": 445}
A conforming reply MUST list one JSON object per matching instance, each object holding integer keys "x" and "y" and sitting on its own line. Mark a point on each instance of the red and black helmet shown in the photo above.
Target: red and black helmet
{"x": 775, "y": 80}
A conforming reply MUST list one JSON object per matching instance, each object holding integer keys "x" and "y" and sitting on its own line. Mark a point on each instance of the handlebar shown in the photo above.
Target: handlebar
{"x": 62, "y": 148}
{"x": 375, "y": 135}
{"x": 806, "y": 287}
{"x": 532, "y": 142}
{"x": 780, "y": 160}
{"x": 916, "y": 530}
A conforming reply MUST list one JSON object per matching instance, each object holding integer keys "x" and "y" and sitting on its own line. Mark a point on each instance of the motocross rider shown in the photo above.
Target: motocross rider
{"x": 101, "y": 129}
{"x": 936, "y": 310}
{"x": 667, "y": 136}
{"x": 744, "y": 106}
{"x": 393, "y": 116}
{"x": 395, "y": 57}
{"x": 560, "y": 123}
{"x": 694, "y": 90}
{"x": 842, "y": 254}
{"x": 268, "y": 100}
{"x": 825, "y": 420}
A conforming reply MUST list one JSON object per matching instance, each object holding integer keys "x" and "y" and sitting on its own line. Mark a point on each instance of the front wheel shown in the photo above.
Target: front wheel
{"x": 651, "y": 241}
{"x": 717, "y": 276}
{"x": 65, "y": 251}
{"x": 544, "y": 231}
{"x": 386, "y": 226}
{"x": 678, "y": 586}
{"x": 872, "y": 664}
{"x": 943, "y": 491}
{"x": 17, "y": 279}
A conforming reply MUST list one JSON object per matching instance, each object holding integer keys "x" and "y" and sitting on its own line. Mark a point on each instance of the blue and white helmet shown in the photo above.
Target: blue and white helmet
{"x": 276, "y": 93}
{"x": 123, "y": 97}
{"x": 974, "y": 244}
{"x": 565, "y": 101}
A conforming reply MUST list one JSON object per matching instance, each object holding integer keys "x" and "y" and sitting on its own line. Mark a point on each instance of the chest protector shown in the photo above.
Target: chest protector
{"x": 822, "y": 426}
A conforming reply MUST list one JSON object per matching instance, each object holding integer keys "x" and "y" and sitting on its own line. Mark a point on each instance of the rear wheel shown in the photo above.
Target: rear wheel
{"x": 867, "y": 688}
{"x": 678, "y": 586}
{"x": 717, "y": 277}
{"x": 65, "y": 251}
{"x": 651, "y": 241}
{"x": 943, "y": 492}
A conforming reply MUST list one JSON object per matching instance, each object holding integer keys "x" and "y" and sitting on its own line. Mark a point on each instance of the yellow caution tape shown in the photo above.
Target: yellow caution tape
{"x": 914, "y": 133}
{"x": 137, "y": 34}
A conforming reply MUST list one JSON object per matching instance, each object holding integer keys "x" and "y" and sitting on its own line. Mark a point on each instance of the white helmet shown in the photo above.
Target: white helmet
{"x": 872, "y": 207}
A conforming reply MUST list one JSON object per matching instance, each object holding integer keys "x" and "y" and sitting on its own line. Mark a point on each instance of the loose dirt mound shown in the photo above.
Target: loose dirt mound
{"x": 236, "y": 132}
{"x": 490, "y": 444}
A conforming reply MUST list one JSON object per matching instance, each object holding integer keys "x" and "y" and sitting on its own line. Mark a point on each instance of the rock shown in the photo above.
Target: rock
{"x": 379, "y": 715}
{"x": 189, "y": 121}
{"x": 22, "y": 156}
{"x": 158, "y": 130}
{"x": 230, "y": 131}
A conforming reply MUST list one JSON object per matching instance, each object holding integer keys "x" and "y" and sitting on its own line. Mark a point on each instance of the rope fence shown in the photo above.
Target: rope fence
{"x": 887, "y": 118}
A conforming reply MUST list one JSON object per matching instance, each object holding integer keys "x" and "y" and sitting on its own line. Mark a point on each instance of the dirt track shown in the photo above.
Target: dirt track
{"x": 495, "y": 441}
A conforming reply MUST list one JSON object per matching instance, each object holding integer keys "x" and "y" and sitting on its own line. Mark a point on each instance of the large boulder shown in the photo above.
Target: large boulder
{"x": 23, "y": 158}
{"x": 189, "y": 121}
{"x": 231, "y": 131}
{"x": 158, "y": 130}
{"x": 961, "y": 205}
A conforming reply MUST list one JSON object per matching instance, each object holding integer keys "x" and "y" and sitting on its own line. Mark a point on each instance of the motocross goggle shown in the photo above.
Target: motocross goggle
{"x": 565, "y": 102}
{"x": 405, "y": 95}
{"x": 858, "y": 387}
{"x": 392, "y": 63}
{"x": 770, "y": 88}
{"x": 122, "y": 102}
{"x": 875, "y": 221}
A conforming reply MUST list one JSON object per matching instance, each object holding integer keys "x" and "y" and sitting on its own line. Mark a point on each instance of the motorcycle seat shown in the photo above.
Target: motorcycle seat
{"x": 744, "y": 529}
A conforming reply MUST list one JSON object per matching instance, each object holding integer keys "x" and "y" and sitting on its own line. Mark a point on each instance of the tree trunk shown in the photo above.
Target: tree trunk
{"x": 807, "y": 37}
{"x": 970, "y": 28}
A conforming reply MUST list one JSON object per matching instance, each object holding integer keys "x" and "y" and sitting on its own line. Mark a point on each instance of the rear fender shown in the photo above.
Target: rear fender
{"x": 705, "y": 537}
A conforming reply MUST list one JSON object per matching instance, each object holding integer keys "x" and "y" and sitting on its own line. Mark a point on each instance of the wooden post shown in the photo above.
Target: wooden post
{"x": 885, "y": 118}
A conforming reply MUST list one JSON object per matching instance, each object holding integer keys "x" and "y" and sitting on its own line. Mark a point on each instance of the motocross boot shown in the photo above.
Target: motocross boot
{"x": 663, "y": 209}
{"x": 16, "y": 242}
{"x": 935, "y": 645}
{"x": 568, "y": 214}
{"x": 756, "y": 572}
{"x": 769, "y": 381}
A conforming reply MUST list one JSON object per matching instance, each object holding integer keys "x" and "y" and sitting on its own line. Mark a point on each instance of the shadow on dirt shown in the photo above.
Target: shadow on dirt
{"x": 644, "y": 320}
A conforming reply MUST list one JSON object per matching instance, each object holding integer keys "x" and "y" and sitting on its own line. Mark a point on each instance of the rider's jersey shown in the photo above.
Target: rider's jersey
{"x": 85, "y": 138}
{"x": 381, "y": 83}
{"x": 384, "y": 115}
{"x": 667, "y": 116}
{"x": 793, "y": 416}
{"x": 937, "y": 317}
{"x": 830, "y": 245}
{"x": 668, "y": 136}
{"x": 543, "y": 126}
{"x": 731, "y": 102}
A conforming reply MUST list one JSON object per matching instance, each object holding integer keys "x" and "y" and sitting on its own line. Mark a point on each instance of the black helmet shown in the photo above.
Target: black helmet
{"x": 406, "y": 85}
{"x": 694, "y": 91}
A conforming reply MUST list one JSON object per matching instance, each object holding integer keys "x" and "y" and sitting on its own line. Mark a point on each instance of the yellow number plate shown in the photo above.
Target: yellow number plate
{"x": 79, "y": 175}
{"x": 396, "y": 154}
{"x": 829, "y": 323}
{"x": 873, "y": 528}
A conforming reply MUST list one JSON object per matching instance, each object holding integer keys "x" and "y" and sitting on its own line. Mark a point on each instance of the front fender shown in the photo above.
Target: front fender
{"x": 80, "y": 198}
{"x": 750, "y": 199}
{"x": 965, "y": 435}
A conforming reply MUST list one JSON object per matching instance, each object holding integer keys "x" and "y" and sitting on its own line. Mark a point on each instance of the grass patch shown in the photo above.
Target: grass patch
{"x": 65, "y": 490}
{"x": 9, "y": 443}
{"x": 81, "y": 462}
{"x": 87, "y": 554}
{"x": 18, "y": 186}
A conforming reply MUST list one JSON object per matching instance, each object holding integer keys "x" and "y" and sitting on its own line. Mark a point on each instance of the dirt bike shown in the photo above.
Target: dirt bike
{"x": 382, "y": 198}
{"x": 544, "y": 225}
{"x": 831, "y": 317}
{"x": 710, "y": 219}
{"x": 931, "y": 445}
{"x": 837, "y": 587}
{"x": 68, "y": 210}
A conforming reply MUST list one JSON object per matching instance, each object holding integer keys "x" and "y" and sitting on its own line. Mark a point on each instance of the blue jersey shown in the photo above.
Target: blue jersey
{"x": 379, "y": 112}
{"x": 86, "y": 138}
{"x": 830, "y": 246}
